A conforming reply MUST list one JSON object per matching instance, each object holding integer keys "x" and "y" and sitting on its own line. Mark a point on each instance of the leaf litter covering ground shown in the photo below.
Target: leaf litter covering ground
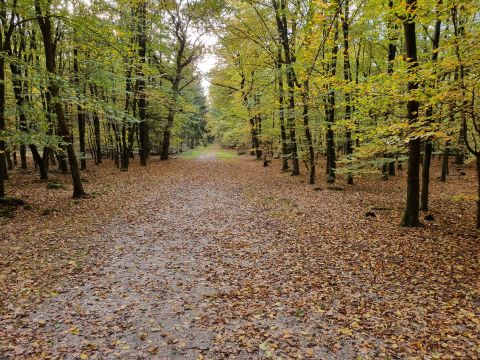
{"x": 210, "y": 259}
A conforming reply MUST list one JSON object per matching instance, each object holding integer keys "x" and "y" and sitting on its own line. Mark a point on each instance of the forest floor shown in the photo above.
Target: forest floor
{"x": 214, "y": 256}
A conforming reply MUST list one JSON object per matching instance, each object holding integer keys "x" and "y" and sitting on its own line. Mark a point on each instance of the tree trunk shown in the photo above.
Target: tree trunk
{"x": 477, "y": 156}
{"x": 330, "y": 115}
{"x": 347, "y": 75}
{"x": 80, "y": 113}
{"x": 96, "y": 129}
{"x": 391, "y": 167}
{"x": 42, "y": 162}
{"x": 62, "y": 161}
{"x": 23, "y": 157}
{"x": 427, "y": 156}
{"x": 282, "y": 29}
{"x": 446, "y": 155}
{"x": 9, "y": 161}
{"x": 392, "y": 52}
{"x": 291, "y": 122}
{"x": 410, "y": 216}
{"x": 166, "y": 134}
{"x": 3, "y": 168}
{"x": 427, "y": 153}
{"x": 49, "y": 48}
{"x": 253, "y": 133}
{"x": 281, "y": 112}
{"x": 142, "y": 99}
{"x": 19, "y": 91}
{"x": 124, "y": 146}
{"x": 308, "y": 135}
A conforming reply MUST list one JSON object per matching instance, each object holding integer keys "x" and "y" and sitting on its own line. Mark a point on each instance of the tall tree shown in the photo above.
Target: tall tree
{"x": 410, "y": 216}
{"x": 44, "y": 22}
{"x": 7, "y": 23}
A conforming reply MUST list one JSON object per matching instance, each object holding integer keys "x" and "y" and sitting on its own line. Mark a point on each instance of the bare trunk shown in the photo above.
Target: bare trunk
{"x": 410, "y": 216}
{"x": 427, "y": 156}
{"x": 308, "y": 135}
{"x": 142, "y": 99}
{"x": 446, "y": 155}
{"x": 330, "y": 115}
{"x": 281, "y": 109}
{"x": 46, "y": 28}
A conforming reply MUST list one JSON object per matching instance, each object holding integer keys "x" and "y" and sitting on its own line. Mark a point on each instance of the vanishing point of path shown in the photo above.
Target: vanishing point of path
{"x": 221, "y": 264}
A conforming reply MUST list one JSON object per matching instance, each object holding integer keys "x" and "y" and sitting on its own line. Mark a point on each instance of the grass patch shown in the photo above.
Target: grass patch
{"x": 225, "y": 154}
{"x": 193, "y": 153}
{"x": 55, "y": 186}
{"x": 219, "y": 153}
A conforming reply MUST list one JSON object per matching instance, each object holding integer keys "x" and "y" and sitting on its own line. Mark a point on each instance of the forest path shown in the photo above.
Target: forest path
{"x": 228, "y": 259}
{"x": 170, "y": 265}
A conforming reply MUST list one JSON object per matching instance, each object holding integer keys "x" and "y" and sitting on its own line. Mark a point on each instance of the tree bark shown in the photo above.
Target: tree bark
{"x": 142, "y": 99}
{"x": 446, "y": 155}
{"x": 330, "y": 115}
{"x": 281, "y": 112}
{"x": 427, "y": 153}
{"x": 167, "y": 131}
{"x": 427, "y": 156}
{"x": 392, "y": 52}
{"x": 53, "y": 87}
{"x": 347, "y": 75}
{"x": 282, "y": 29}
{"x": 410, "y": 216}
{"x": 42, "y": 162}
{"x": 5, "y": 45}
{"x": 96, "y": 129}
{"x": 477, "y": 156}
{"x": 80, "y": 113}
{"x": 308, "y": 134}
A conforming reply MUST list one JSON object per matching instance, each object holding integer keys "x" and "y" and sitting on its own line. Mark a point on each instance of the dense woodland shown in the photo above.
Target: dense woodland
{"x": 277, "y": 179}
{"x": 364, "y": 87}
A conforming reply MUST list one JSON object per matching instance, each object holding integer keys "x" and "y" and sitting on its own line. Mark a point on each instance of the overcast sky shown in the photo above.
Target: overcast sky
{"x": 207, "y": 61}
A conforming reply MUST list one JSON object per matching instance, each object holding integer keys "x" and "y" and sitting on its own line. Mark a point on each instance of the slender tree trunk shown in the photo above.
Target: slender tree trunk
{"x": 281, "y": 112}
{"x": 5, "y": 37}
{"x": 254, "y": 135}
{"x": 80, "y": 113}
{"x": 9, "y": 161}
{"x": 3, "y": 168}
{"x": 446, "y": 155}
{"x": 347, "y": 75}
{"x": 389, "y": 169}
{"x": 124, "y": 147}
{"x": 167, "y": 131}
{"x": 427, "y": 153}
{"x": 427, "y": 156}
{"x": 62, "y": 161}
{"x": 98, "y": 141}
{"x": 459, "y": 32}
{"x": 477, "y": 156}
{"x": 49, "y": 48}
{"x": 308, "y": 135}
{"x": 257, "y": 127}
{"x": 330, "y": 114}
{"x": 96, "y": 129}
{"x": 42, "y": 162}
{"x": 282, "y": 29}
{"x": 23, "y": 157}
{"x": 20, "y": 90}
{"x": 291, "y": 122}
{"x": 410, "y": 216}
{"x": 142, "y": 99}
{"x": 166, "y": 136}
